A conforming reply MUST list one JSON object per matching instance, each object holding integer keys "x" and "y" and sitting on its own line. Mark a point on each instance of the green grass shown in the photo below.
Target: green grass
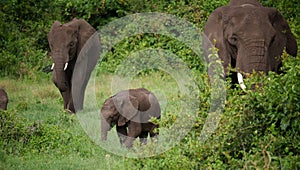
{"x": 39, "y": 102}
{"x": 46, "y": 161}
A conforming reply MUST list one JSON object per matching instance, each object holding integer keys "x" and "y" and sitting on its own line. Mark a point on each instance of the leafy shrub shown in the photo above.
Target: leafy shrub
{"x": 258, "y": 129}
{"x": 143, "y": 42}
{"x": 23, "y": 36}
{"x": 20, "y": 136}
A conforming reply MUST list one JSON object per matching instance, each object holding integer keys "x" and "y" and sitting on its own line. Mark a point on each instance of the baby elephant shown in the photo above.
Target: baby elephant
{"x": 3, "y": 99}
{"x": 130, "y": 110}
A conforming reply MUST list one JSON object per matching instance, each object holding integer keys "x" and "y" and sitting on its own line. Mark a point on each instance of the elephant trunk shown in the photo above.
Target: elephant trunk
{"x": 60, "y": 77}
{"x": 105, "y": 127}
{"x": 254, "y": 57}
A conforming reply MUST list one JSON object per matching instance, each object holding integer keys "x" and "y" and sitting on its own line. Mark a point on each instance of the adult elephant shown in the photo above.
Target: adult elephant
{"x": 249, "y": 37}
{"x": 66, "y": 41}
{"x": 130, "y": 109}
{"x": 3, "y": 99}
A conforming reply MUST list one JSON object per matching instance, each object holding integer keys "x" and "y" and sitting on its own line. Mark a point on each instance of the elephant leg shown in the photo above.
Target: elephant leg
{"x": 3, "y": 106}
{"x": 66, "y": 96}
{"x": 153, "y": 135}
{"x": 70, "y": 105}
{"x": 105, "y": 127}
{"x": 68, "y": 101}
{"x": 134, "y": 130}
{"x": 122, "y": 133}
{"x": 143, "y": 137}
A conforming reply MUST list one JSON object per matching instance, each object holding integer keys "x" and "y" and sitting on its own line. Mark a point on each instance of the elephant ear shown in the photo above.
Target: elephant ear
{"x": 85, "y": 31}
{"x": 282, "y": 27}
{"x": 213, "y": 29}
{"x": 155, "y": 106}
{"x": 128, "y": 109}
{"x": 55, "y": 25}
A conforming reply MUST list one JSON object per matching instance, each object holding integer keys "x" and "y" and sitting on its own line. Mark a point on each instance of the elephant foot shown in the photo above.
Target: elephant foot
{"x": 122, "y": 139}
{"x": 70, "y": 108}
{"x": 143, "y": 137}
{"x": 143, "y": 141}
{"x": 129, "y": 142}
{"x": 70, "y": 111}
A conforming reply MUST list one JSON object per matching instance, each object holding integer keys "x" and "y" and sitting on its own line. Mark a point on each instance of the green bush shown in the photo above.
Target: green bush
{"x": 19, "y": 136}
{"x": 258, "y": 129}
{"x": 23, "y": 35}
{"x": 23, "y": 40}
{"x": 143, "y": 42}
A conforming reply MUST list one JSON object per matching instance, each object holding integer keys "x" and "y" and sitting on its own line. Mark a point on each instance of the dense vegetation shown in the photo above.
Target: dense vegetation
{"x": 259, "y": 129}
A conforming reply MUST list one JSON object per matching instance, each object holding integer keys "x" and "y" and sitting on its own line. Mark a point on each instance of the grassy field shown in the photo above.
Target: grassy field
{"x": 40, "y": 101}
{"x": 38, "y": 104}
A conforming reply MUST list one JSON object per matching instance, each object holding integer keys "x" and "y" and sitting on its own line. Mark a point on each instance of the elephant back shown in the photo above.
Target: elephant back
{"x": 244, "y": 2}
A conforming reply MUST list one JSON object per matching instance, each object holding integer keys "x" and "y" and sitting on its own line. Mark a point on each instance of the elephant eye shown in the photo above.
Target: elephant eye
{"x": 72, "y": 44}
{"x": 233, "y": 40}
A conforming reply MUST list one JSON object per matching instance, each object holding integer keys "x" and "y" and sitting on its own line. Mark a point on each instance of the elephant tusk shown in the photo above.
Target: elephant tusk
{"x": 241, "y": 81}
{"x": 52, "y": 67}
{"x": 66, "y": 66}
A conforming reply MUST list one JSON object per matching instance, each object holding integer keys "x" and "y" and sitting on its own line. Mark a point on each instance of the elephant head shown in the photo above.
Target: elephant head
{"x": 3, "y": 99}
{"x": 249, "y": 37}
{"x": 130, "y": 108}
{"x": 118, "y": 110}
{"x": 66, "y": 41}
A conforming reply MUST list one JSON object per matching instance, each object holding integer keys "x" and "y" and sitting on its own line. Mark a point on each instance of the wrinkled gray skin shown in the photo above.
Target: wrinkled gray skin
{"x": 3, "y": 99}
{"x": 249, "y": 36}
{"x": 66, "y": 41}
{"x": 130, "y": 110}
